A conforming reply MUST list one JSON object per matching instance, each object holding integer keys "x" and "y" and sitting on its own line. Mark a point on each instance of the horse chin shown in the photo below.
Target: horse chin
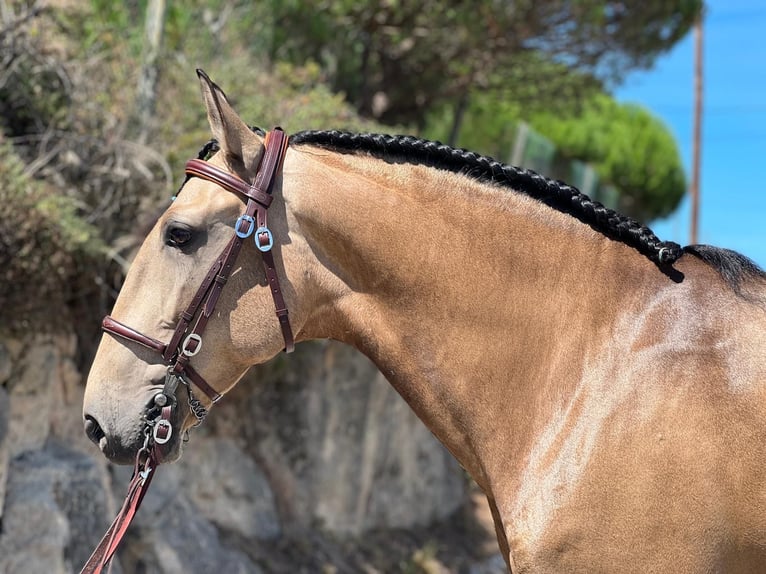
{"x": 170, "y": 451}
{"x": 122, "y": 449}
{"x": 121, "y": 439}
{"x": 125, "y": 450}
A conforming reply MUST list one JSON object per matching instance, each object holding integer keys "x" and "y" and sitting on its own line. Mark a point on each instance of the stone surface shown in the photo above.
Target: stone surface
{"x": 171, "y": 536}
{"x": 305, "y": 454}
{"x": 4, "y": 446}
{"x": 54, "y": 511}
{"x": 339, "y": 445}
{"x": 34, "y": 374}
{"x": 492, "y": 565}
{"x": 5, "y": 364}
{"x": 229, "y": 489}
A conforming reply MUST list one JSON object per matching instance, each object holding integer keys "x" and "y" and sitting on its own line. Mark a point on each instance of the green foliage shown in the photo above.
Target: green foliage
{"x": 264, "y": 93}
{"x": 43, "y": 245}
{"x": 396, "y": 61}
{"x": 629, "y": 148}
{"x": 31, "y": 97}
{"x": 428, "y": 64}
{"x": 107, "y": 24}
{"x": 489, "y": 125}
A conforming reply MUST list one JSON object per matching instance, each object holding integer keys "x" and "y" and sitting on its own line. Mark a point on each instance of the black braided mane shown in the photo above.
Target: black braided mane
{"x": 733, "y": 267}
{"x": 556, "y": 194}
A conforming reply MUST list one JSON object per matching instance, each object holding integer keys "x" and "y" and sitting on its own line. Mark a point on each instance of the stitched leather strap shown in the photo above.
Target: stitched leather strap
{"x": 142, "y": 477}
{"x": 200, "y": 168}
{"x": 271, "y": 163}
{"x": 114, "y": 327}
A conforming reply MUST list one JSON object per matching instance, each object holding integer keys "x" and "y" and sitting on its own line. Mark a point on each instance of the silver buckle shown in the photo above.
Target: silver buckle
{"x": 155, "y": 433}
{"x": 185, "y": 344}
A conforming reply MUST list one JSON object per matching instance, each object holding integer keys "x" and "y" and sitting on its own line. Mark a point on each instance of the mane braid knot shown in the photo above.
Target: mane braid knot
{"x": 553, "y": 193}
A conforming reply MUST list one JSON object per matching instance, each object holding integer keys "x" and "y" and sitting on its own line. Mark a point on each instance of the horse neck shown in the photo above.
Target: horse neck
{"x": 473, "y": 301}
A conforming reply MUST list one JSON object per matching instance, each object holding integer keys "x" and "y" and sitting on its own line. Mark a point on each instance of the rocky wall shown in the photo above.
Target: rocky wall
{"x": 317, "y": 442}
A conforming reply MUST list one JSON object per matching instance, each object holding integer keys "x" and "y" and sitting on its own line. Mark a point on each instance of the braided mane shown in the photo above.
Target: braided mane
{"x": 734, "y": 268}
{"x": 556, "y": 194}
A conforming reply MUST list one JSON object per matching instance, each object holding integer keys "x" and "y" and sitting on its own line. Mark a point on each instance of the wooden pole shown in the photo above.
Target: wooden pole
{"x": 694, "y": 189}
{"x": 147, "y": 81}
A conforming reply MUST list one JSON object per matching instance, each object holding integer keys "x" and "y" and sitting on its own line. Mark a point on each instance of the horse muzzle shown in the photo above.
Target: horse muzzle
{"x": 119, "y": 447}
{"x": 158, "y": 423}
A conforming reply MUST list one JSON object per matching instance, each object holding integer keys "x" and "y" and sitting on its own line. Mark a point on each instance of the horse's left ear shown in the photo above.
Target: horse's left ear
{"x": 237, "y": 141}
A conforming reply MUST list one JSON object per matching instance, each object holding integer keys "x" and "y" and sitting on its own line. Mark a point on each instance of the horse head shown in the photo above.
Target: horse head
{"x": 188, "y": 256}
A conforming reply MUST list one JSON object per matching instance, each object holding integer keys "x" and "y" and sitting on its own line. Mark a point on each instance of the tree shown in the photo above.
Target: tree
{"x": 629, "y": 147}
{"x": 397, "y": 59}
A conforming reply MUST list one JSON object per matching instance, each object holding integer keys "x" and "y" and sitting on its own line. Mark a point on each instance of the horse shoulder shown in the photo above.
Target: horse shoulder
{"x": 656, "y": 460}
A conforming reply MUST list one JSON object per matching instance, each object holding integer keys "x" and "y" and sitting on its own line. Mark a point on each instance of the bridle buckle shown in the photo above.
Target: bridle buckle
{"x": 162, "y": 431}
{"x": 264, "y": 233}
{"x": 186, "y": 347}
{"x": 244, "y": 218}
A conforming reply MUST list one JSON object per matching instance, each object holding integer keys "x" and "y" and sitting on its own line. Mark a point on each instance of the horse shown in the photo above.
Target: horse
{"x": 606, "y": 390}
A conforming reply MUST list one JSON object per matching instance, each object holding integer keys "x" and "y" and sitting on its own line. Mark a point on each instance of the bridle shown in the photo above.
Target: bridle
{"x": 186, "y": 340}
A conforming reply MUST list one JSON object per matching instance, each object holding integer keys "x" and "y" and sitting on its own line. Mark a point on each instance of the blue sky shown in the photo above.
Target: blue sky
{"x": 733, "y": 176}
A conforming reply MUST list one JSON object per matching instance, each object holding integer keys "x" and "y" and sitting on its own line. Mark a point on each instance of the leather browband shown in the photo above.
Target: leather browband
{"x": 230, "y": 182}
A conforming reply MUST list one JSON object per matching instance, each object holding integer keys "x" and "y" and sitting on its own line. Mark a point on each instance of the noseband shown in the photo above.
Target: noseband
{"x": 187, "y": 337}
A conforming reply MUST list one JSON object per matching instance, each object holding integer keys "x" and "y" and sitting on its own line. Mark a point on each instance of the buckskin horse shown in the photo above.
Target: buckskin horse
{"x": 605, "y": 389}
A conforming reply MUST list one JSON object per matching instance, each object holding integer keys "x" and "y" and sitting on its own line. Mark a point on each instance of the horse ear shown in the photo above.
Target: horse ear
{"x": 237, "y": 140}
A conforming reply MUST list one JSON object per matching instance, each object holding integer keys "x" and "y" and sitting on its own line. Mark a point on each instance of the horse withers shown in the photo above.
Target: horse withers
{"x": 605, "y": 389}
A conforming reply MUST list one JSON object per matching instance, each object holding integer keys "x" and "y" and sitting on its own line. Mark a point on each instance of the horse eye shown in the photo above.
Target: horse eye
{"x": 178, "y": 236}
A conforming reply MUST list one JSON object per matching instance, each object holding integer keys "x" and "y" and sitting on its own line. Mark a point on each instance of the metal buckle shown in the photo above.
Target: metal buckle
{"x": 250, "y": 226}
{"x": 269, "y": 245}
{"x": 165, "y": 424}
{"x": 144, "y": 474}
{"x": 192, "y": 337}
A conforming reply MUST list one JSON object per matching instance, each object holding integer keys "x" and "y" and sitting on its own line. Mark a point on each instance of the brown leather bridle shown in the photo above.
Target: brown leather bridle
{"x": 186, "y": 340}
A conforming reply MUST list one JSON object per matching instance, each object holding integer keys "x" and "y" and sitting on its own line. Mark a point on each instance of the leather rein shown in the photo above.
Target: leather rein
{"x": 186, "y": 340}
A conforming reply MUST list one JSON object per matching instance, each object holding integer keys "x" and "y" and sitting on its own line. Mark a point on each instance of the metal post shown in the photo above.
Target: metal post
{"x": 694, "y": 189}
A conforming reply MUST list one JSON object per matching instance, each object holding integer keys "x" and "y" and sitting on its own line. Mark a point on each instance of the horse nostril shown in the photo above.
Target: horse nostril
{"x": 93, "y": 429}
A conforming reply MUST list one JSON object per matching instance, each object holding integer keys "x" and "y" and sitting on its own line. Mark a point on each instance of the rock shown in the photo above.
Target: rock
{"x": 229, "y": 489}
{"x": 4, "y": 446}
{"x": 45, "y": 391}
{"x": 34, "y": 374}
{"x": 492, "y": 565}
{"x": 169, "y": 535}
{"x": 55, "y": 511}
{"x": 66, "y": 392}
{"x": 5, "y": 364}
{"x": 339, "y": 445}
{"x": 318, "y": 439}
